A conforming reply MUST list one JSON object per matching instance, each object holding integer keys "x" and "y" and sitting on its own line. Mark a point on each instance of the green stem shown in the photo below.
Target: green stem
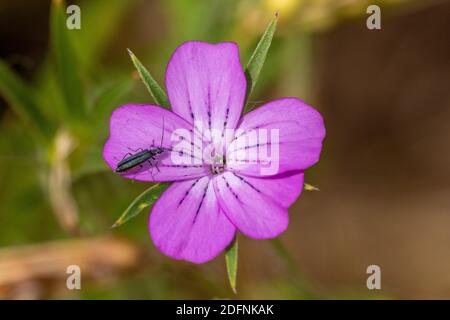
{"x": 294, "y": 271}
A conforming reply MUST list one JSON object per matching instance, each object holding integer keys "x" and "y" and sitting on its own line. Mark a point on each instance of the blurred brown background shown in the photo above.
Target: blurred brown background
{"x": 384, "y": 176}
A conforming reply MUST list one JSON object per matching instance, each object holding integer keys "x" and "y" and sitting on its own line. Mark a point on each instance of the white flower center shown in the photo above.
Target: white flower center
{"x": 218, "y": 165}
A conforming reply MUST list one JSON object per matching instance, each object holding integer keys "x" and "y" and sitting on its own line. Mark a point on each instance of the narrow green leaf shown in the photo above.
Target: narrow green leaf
{"x": 67, "y": 67}
{"x": 143, "y": 201}
{"x": 22, "y": 100}
{"x": 310, "y": 187}
{"x": 153, "y": 87}
{"x": 231, "y": 260}
{"x": 258, "y": 57}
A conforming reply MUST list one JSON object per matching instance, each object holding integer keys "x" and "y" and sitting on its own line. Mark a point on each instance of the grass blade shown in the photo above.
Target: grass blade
{"x": 258, "y": 57}
{"x": 231, "y": 260}
{"x": 153, "y": 87}
{"x": 143, "y": 201}
{"x": 66, "y": 63}
{"x": 22, "y": 100}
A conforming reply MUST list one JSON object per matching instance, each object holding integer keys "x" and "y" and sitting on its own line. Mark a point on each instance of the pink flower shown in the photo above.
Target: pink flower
{"x": 199, "y": 214}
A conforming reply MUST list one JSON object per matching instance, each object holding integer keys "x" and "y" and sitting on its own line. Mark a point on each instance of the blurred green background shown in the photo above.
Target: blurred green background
{"x": 383, "y": 176}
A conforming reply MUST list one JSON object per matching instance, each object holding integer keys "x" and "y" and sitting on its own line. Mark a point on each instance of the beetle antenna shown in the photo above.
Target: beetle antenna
{"x": 162, "y": 136}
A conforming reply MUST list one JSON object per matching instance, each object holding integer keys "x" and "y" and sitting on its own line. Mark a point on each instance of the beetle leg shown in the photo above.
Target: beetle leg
{"x": 155, "y": 164}
{"x": 127, "y": 155}
{"x": 151, "y": 169}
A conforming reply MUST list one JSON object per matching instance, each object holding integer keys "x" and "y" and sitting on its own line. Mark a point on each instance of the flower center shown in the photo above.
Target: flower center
{"x": 218, "y": 165}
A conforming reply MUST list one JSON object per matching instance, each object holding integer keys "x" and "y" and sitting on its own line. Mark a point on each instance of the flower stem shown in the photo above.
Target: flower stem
{"x": 294, "y": 271}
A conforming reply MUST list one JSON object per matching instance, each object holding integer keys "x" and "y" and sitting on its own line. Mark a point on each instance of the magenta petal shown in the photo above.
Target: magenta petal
{"x": 135, "y": 127}
{"x": 206, "y": 84}
{"x": 300, "y": 133}
{"x": 250, "y": 208}
{"x": 187, "y": 223}
{"x": 282, "y": 189}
